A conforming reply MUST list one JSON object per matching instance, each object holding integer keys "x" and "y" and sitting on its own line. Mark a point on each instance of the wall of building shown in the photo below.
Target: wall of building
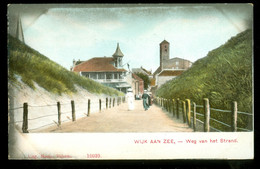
{"x": 137, "y": 86}
{"x": 163, "y": 79}
{"x": 177, "y": 63}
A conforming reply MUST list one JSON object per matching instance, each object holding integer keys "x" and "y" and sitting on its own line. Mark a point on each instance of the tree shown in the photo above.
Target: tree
{"x": 145, "y": 78}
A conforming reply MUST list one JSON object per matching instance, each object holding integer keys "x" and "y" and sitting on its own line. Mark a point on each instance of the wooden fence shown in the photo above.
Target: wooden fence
{"x": 109, "y": 102}
{"x": 189, "y": 114}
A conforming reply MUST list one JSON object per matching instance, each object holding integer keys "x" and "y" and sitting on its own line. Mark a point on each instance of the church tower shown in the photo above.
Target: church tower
{"x": 164, "y": 53}
{"x": 118, "y": 57}
{"x": 19, "y": 30}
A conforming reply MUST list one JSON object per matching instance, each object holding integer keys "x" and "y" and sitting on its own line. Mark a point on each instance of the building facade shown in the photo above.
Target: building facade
{"x": 145, "y": 72}
{"x": 105, "y": 70}
{"x": 169, "y": 68}
{"x": 137, "y": 85}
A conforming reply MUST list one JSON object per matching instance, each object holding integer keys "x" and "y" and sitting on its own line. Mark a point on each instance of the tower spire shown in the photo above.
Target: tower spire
{"x": 118, "y": 56}
{"x": 19, "y": 30}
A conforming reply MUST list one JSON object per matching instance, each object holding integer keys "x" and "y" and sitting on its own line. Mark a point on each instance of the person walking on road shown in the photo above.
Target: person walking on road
{"x": 146, "y": 99}
{"x": 130, "y": 99}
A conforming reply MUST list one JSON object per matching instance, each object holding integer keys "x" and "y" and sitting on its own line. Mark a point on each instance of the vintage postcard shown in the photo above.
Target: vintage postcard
{"x": 130, "y": 81}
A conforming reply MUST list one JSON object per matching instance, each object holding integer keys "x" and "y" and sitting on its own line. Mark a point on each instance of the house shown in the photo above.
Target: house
{"x": 166, "y": 75}
{"x": 146, "y": 72}
{"x": 137, "y": 85}
{"x": 169, "y": 68}
{"x": 143, "y": 70}
{"x": 105, "y": 70}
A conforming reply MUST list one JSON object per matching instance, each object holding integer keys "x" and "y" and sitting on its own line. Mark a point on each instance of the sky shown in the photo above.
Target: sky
{"x": 65, "y": 33}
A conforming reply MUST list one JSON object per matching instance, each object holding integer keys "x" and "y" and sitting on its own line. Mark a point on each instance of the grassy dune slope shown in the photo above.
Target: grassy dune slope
{"x": 35, "y": 67}
{"x": 224, "y": 75}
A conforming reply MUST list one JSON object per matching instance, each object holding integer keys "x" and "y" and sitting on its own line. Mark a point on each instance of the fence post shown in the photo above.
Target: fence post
{"x": 113, "y": 102}
{"x": 173, "y": 106}
{"x": 25, "y": 118}
{"x": 166, "y": 104}
{"x": 100, "y": 106}
{"x": 188, "y": 111}
{"x": 234, "y": 117}
{"x": 167, "y": 101}
{"x": 59, "y": 113}
{"x": 88, "y": 107}
{"x": 169, "y": 105}
{"x": 110, "y": 102}
{"x": 194, "y": 116}
{"x": 177, "y": 108}
{"x": 206, "y": 114}
{"x": 106, "y": 102}
{"x": 73, "y": 110}
{"x": 162, "y": 103}
{"x": 184, "y": 111}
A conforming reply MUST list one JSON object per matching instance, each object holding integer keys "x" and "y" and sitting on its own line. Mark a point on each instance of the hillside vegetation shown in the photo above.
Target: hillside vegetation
{"x": 224, "y": 75}
{"x": 32, "y": 67}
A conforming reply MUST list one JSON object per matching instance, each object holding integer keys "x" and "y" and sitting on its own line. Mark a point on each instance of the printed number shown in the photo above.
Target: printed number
{"x": 93, "y": 156}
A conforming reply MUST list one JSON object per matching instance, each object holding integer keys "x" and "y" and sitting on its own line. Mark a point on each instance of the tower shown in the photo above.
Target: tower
{"x": 164, "y": 52}
{"x": 19, "y": 30}
{"x": 118, "y": 57}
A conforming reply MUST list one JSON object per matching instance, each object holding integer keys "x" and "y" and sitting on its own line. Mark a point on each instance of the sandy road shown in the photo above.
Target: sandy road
{"x": 119, "y": 119}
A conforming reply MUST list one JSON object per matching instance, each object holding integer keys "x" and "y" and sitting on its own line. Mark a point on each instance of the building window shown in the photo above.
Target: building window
{"x": 115, "y": 62}
{"x": 115, "y": 76}
{"x": 101, "y": 76}
{"x": 165, "y": 50}
{"x": 177, "y": 63}
{"x": 120, "y": 62}
{"x": 109, "y": 75}
{"x": 177, "y": 67}
{"x": 87, "y": 75}
{"x": 93, "y": 75}
{"x": 120, "y": 76}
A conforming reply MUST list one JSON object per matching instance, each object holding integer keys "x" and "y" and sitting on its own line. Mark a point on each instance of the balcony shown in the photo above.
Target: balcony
{"x": 109, "y": 80}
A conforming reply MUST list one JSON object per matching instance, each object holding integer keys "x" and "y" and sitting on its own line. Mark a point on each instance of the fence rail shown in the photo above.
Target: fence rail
{"x": 90, "y": 104}
{"x": 186, "y": 107}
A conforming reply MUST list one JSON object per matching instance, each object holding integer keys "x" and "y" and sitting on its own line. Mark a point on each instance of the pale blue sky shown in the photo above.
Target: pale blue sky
{"x": 64, "y": 34}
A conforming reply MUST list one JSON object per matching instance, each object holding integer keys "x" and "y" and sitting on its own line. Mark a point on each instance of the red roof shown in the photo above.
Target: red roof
{"x": 102, "y": 64}
{"x": 171, "y": 72}
{"x": 136, "y": 77}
